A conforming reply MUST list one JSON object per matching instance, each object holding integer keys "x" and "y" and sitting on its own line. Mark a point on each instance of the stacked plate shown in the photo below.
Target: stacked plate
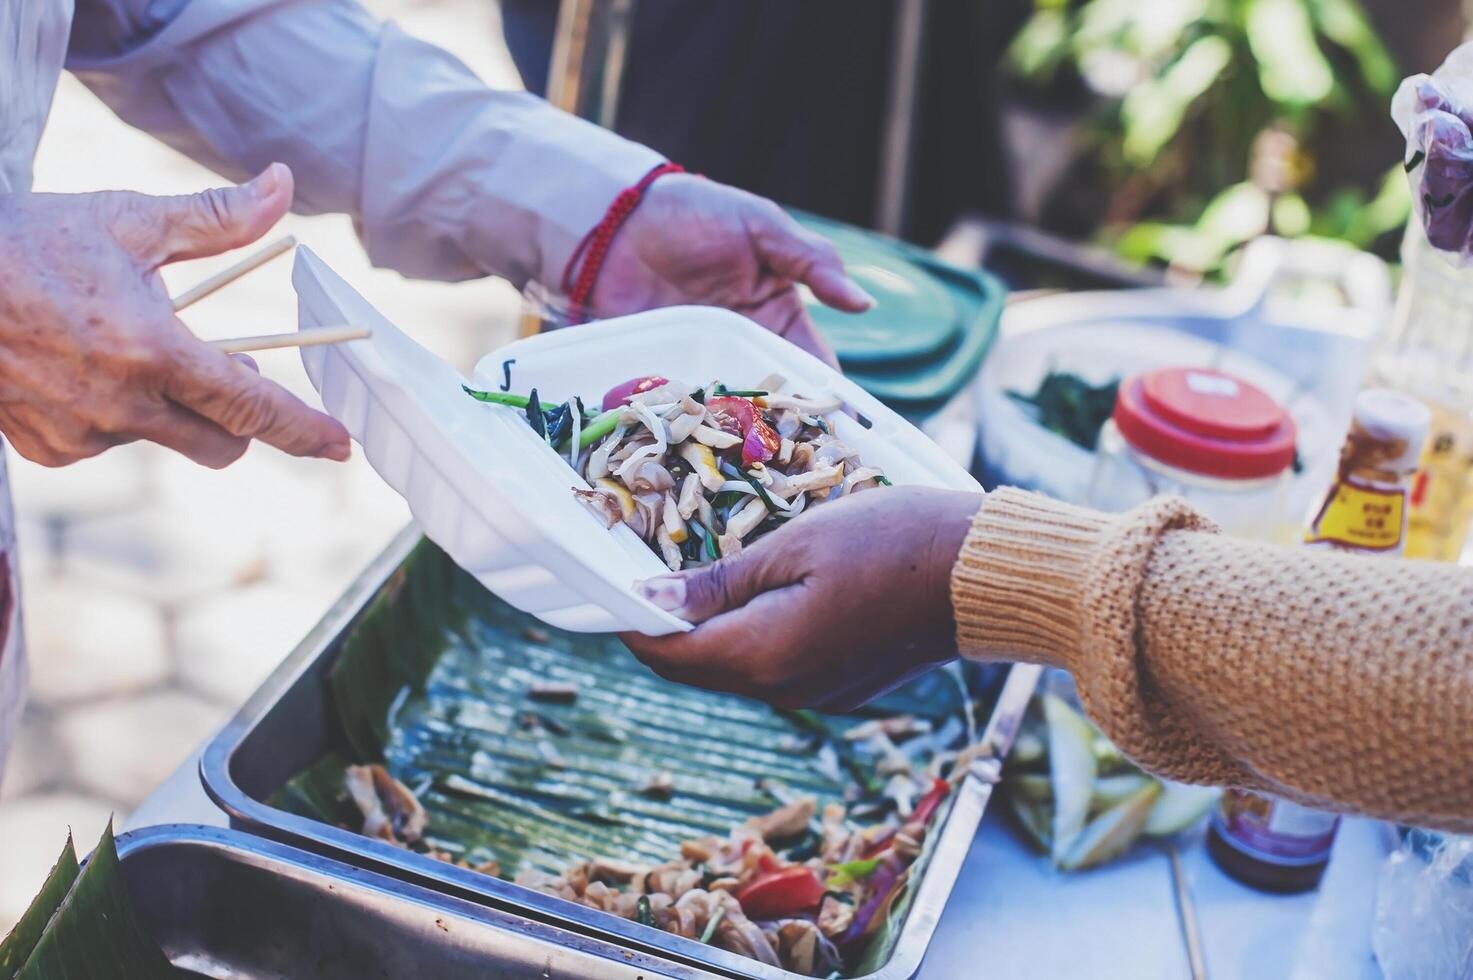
{"x": 926, "y": 337}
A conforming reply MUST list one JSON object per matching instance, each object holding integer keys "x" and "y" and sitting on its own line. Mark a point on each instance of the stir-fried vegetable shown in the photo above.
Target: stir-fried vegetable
{"x": 781, "y": 894}
{"x": 699, "y": 472}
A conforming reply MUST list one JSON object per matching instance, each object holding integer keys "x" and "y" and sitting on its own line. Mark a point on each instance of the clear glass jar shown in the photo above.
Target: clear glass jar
{"x": 1125, "y": 477}
{"x": 1213, "y": 438}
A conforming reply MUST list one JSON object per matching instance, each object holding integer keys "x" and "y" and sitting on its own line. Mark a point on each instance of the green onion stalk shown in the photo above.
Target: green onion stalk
{"x": 601, "y": 425}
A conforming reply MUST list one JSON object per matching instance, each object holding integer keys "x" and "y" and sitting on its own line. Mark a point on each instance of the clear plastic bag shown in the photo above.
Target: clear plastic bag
{"x": 1435, "y": 114}
{"x": 1424, "y": 909}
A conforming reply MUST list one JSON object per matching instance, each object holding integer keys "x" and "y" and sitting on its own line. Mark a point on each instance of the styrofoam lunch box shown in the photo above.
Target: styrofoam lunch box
{"x": 497, "y": 498}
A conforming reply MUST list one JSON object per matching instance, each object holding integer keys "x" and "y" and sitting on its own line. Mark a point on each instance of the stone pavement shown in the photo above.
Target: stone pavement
{"x": 156, "y": 594}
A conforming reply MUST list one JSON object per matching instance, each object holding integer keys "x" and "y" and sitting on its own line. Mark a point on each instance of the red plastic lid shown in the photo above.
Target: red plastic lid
{"x": 1205, "y": 422}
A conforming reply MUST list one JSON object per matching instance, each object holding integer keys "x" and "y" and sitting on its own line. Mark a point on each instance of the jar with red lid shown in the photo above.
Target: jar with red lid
{"x": 1219, "y": 441}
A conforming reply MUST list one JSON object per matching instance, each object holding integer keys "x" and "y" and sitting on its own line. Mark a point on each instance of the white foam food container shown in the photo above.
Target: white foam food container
{"x": 485, "y": 488}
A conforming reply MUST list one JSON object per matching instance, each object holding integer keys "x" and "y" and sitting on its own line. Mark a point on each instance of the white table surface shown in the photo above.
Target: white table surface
{"x": 1012, "y": 916}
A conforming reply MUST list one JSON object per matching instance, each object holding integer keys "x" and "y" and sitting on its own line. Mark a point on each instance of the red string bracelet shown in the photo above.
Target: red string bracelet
{"x": 592, "y": 250}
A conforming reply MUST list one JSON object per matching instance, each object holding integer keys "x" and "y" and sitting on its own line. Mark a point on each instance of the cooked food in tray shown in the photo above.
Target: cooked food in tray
{"x": 473, "y": 735}
{"x": 699, "y": 472}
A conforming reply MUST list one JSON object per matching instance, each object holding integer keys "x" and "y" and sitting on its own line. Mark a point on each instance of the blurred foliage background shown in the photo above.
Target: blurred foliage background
{"x": 1205, "y": 123}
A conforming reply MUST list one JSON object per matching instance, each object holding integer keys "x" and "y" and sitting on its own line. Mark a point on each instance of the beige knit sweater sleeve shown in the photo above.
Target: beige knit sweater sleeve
{"x": 1342, "y": 681}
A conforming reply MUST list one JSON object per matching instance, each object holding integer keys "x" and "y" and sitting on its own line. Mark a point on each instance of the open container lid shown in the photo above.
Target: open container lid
{"x": 497, "y": 498}
{"x": 926, "y": 337}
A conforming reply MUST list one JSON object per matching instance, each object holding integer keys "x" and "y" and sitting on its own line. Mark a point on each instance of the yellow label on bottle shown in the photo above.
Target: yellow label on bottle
{"x": 1361, "y": 517}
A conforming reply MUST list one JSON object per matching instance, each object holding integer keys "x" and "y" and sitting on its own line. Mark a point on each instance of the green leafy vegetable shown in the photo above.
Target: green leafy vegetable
{"x": 1072, "y": 407}
{"x": 710, "y": 931}
{"x": 497, "y": 397}
{"x": 599, "y": 427}
{"x": 852, "y": 871}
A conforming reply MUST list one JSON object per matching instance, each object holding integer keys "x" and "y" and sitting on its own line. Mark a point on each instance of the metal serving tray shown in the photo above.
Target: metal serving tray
{"x": 226, "y": 904}
{"x": 289, "y": 723}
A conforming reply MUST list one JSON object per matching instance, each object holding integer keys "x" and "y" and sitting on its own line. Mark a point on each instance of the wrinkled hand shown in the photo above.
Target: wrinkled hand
{"x": 693, "y": 240}
{"x": 91, "y": 354}
{"x": 827, "y": 612}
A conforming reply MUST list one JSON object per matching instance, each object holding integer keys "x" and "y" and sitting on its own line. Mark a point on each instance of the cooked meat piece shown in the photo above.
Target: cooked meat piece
{"x": 819, "y": 478}
{"x": 390, "y": 811}
{"x": 543, "y": 882}
{"x": 786, "y": 821}
{"x": 894, "y": 726}
{"x": 561, "y": 691}
{"x": 603, "y": 503}
{"x": 797, "y": 946}
{"x": 700, "y": 851}
{"x": 834, "y": 917}
{"x": 673, "y": 879}
{"x": 745, "y": 521}
{"x": 613, "y": 872}
{"x": 660, "y": 785}
{"x": 690, "y": 497}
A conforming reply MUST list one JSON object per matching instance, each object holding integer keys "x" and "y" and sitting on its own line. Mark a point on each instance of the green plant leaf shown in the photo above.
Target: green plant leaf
{"x": 1344, "y": 22}
{"x": 1153, "y": 111}
{"x": 1291, "y": 67}
{"x": 17, "y": 947}
{"x": 96, "y": 932}
{"x": 1040, "y": 46}
{"x": 1291, "y": 216}
{"x": 1237, "y": 214}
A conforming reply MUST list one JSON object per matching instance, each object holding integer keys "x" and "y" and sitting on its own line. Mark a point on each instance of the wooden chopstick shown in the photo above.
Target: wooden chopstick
{"x": 226, "y": 276}
{"x": 1186, "y": 911}
{"x": 310, "y": 337}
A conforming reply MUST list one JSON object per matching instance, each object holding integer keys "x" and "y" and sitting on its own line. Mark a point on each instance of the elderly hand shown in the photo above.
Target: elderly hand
{"x": 827, "y": 612}
{"x": 693, "y": 240}
{"x": 91, "y": 354}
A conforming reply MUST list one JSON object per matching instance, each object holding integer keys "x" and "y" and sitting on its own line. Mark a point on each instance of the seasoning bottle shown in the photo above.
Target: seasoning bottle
{"x": 1428, "y": 348}
{"x": 1272, "y": 844}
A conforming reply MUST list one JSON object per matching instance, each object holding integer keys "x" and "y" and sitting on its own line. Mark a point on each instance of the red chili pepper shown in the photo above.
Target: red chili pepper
{"x": 620, "y": 394}
{"x": 760, "y": 442}
{"x": 781, "y": 894}
{"x": 930, "y": 802}
{"x": 922, "y": 814}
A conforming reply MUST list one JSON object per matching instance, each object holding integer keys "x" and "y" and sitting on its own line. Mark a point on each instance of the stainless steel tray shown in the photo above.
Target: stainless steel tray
{"x": 226, "y": 904}
{"x": 289, "y": 723}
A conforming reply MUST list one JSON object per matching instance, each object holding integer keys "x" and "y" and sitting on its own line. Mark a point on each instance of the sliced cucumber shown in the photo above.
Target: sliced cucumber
{"x": 1031, "y": 786}
{"x": 1071, "y": 771}
{"x": 1112, "y": 832}
{"x": 1111, "y": 791}
{"x": 1035, "y": 819}
{"x": 1028, "y": 749}
{"x": 1179, "y": 807}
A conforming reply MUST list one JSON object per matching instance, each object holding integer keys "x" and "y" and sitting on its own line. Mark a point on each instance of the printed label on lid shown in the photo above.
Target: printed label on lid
{"x": 1212, "y": 384}
{"x": 1360, "y": 516}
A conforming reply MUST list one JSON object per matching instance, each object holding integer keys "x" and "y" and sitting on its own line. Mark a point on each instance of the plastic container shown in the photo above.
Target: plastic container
{"x": 1210, "y": 437}
{"x": 497, "y": 499}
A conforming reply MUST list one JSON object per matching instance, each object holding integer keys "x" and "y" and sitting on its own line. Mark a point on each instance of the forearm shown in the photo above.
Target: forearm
{"x": 1342, "y": 681}
{"x": 445, "y": 177}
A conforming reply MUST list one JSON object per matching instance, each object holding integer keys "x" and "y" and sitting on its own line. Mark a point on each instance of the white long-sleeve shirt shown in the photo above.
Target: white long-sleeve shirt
{"x": 444, "y": 177}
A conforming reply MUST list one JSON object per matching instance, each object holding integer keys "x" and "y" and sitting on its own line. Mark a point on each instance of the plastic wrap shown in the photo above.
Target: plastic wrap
{"x": 1435, "y": 114}
{"x": 1424, "y": 909}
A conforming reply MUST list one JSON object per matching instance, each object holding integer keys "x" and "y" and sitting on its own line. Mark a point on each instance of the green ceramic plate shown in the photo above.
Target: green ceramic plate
{"x": 915, "y": 315}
